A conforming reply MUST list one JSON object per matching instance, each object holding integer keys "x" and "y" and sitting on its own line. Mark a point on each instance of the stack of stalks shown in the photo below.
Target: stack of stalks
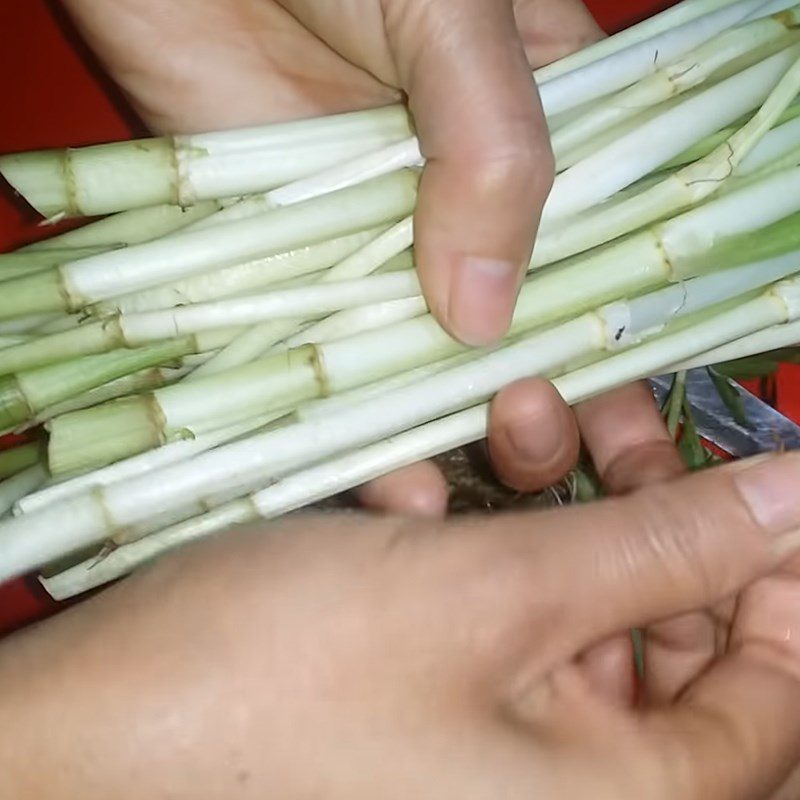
{"x": 243, "y": 332}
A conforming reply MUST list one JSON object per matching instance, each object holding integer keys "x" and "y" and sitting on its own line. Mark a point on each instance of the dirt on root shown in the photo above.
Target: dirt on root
{"x": 473, "y": 487}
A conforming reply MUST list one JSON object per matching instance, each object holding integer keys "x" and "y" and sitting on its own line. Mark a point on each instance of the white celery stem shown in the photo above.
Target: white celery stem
{"x": 352, "y": 469}
{"x": 228, "y": 164}
{"x": 652, "y": 357}
{"x": 388, "y": 121}
{"x": 687, "y": 73}
{"x": 665, "y": 135}
{"x": 84, "y": 525}
{"x": 684, "y": 188}
{"x": 139, "y": 465}
{"x": 365, "y": 167}
{"x": 744, "y": 210}
{"x": 107, "y": 178}
{"x": 630, "y": 266}
{"x": 306, "y": 301}
{"x": 34, "y": 539}
{"x": 737, "y": 95}
{"x": 290, "y": 493}
{"x": 775, "y": 337}
{"x": 673, "y": 17}
{"x": 251, "y": 171}
{"x": 128, "y": 227}
{"x": 19, "y": 263}
{"x": 624, "y": 67}
{"x": 375, "y": 253}
{"x": 240, "y": 278}
{"x": 770, "y": 8}
{"x": 278, "y": 230}
{"x": 183, "y": 172}
{"x": 772, "y": 200}
{"x": 323, "y": 407}
{"x": 28, "y": 324}
{"x": 87, "y": 281}
{"x": 357, "y": 320}
{"x": 260, "y": 339}
{"x": 642, "y": 315}
{"x": 251, "y": 344}
{"x": 146, "y": 380}
{"x": 776, "y": 144}
{"x": 23, "y": 483}
{"x": 10, "y": 341}
{"x": 134, "y": 330}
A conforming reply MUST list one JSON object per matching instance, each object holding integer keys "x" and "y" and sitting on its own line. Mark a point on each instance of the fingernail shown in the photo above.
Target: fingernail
{"x": 482, "y": 298}
{"x": 534, "y": 442}
{"x": 770, "y": 490}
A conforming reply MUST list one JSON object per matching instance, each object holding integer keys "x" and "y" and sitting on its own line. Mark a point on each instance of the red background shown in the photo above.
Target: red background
{"x": 54, "y": 94}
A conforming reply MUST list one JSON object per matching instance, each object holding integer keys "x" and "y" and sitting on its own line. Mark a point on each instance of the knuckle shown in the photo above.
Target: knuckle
{"x": 518, "y": 168}
{"x": 676, "y": 534}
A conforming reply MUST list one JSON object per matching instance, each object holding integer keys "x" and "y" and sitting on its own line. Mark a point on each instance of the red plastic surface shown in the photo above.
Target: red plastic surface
{"x": 54, "y": 94}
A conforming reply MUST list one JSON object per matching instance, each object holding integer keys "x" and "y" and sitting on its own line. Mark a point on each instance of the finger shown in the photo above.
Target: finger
{"x": 592, "y": 571}
{"x": 627, "y": 439}
{"x": 554, "y": 28}
{"x": 418, "y": 490}
{"x": 609, "y": 669}
{"x": 489, "y": 165}
{"x": 738, "y": 728}
{"x": 676, "y": 651}
{"x": 533, "y": 436}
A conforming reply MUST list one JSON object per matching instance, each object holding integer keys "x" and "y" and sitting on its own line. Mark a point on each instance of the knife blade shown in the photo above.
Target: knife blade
{"x": 767, "y": 429}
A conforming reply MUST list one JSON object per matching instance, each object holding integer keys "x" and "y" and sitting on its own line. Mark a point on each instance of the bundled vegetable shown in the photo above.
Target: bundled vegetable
{"x": 245, "y": 334}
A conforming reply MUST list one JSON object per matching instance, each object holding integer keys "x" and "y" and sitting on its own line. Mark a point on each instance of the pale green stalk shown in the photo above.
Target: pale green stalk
{"x": 76, "y": 285}
{"x": 33, "y": 539}
{"x": 772, "y": 84}
{"x": 143, "y": 381}
{"x": 24, "y": 262}
{"x": 687, "y": 187}
{"x": 21, "y": 484}
{"x": 261, "y": 338}
{"x": 751, "y": 42}
{"x": 24, "y": 395}
{"x": 291, "y": 377}
{"x": 186, "y": 170}
{"x": 18, "y": 458}
{"x": 128, "y": 227}
{"x": 239, "y": 279}
{"x": 679, "y": 14}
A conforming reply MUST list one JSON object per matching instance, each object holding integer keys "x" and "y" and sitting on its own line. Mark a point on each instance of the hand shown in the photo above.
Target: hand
{"x": 214, "y": 64}
{"x": 344, "y": 658}
{"x": 626, "y": 436}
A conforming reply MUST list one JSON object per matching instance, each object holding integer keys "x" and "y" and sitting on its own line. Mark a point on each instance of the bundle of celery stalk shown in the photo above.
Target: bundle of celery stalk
{"x": 243, "y": 333}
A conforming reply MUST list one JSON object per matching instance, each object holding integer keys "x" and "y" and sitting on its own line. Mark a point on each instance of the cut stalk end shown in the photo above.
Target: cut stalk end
{"x": 14, "y": 408}
{"x": 96, "y": 437}
{"x": 91, "y": 181}
{"x": 39, "y": 293}
{"x": 38, "y": 177}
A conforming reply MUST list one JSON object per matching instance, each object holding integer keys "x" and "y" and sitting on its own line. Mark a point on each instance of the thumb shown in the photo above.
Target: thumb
{"x": 489, "y": 165}
{"x": 674, "y": 547}
{"x": 590, "y": 571}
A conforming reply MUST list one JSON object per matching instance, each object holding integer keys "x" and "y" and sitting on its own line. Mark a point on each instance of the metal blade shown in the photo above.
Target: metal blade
{"x": 768, "y": 429}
